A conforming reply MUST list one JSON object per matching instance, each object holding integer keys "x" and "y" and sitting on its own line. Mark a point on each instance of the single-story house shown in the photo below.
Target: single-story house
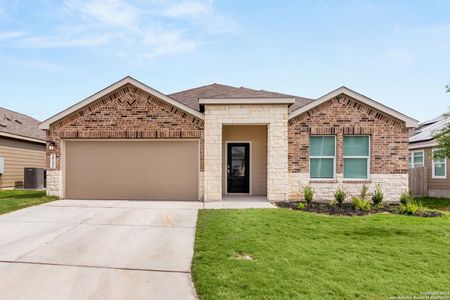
{"x": 22, "y": 145}
{"x": 434, "y": 179}
{"x": 130, "y": 141}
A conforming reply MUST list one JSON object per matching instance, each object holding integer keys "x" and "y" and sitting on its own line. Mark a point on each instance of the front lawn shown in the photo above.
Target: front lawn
{"x": 435, "y": 203}
{"x": 11, "y": 200}
{"x": 285, "y": 254}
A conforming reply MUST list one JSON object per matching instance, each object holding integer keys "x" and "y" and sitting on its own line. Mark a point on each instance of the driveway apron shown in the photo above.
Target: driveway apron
{"x": 86, "y": 249}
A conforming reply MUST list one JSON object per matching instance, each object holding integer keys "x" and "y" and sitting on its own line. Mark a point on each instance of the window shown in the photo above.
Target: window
{"x": 356, "y": 157}
{"x": 416, "y": 159}
{"x": 439, "y": 168}
{"x": 322, "y": 156}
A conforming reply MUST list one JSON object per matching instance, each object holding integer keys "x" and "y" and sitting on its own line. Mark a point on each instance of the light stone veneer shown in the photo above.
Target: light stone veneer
{"x": 275, "y": 117}
{"x": 54, "y": 183}
{"x": 201, "y": 188}
{"x": 392, "y": 186}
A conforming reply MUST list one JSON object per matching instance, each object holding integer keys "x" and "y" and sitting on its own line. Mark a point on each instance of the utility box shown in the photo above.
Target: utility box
{"x": 34, "y": 178}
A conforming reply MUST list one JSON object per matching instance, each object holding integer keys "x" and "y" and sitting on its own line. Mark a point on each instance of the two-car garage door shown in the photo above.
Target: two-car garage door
{"x": 148, "y": 170}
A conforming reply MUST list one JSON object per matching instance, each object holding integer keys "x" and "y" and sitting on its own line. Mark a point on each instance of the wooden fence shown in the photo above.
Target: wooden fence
{"x": 418, "y": 185}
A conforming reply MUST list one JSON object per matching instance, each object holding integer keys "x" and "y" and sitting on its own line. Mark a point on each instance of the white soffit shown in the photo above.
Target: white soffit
{"x": 410, "y": 122}
{"x": 127, "y": 80}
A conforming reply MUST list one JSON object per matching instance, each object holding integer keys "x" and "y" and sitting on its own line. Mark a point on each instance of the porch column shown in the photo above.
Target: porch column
{"x": 277, "y": 155}
{"x": 213, "y": 158}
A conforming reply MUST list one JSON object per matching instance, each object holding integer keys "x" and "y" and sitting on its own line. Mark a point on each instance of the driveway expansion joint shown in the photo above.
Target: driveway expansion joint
{"x": 92, "y": 266}
{"x": 57, "y": 236}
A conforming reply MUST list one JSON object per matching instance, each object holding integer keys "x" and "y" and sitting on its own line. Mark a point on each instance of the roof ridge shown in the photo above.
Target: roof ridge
{"x": 204, "y": 86}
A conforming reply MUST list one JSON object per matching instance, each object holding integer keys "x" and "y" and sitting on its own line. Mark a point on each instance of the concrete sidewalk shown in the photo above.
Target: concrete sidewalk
{"x": 82, "y": 249}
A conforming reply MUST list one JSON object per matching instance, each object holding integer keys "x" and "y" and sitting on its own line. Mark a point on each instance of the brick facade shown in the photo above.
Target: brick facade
{"x": 126, "y": 113}
{"x": 341, "y": 116}
{"x": 131, "y": 113}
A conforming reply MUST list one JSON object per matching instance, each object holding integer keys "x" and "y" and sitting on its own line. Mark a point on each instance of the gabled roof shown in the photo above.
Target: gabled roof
{"x": 219, "y": 91}
{"x": 20, "y": 126}
{"x": 113, "y": 87}
{"x": 427, "y": 129}
{"x": 409, "y": 122}
{"x": 190, "y": 100}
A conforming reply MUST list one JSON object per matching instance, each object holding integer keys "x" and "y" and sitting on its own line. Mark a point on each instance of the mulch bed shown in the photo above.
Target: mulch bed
{"x": 347, "y": 209}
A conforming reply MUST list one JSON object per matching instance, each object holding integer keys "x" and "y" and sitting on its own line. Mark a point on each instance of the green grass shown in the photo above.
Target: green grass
{"x": 435, "y": 203}
{"x": 300, "y": 255}
{"x": 11, "y": 200}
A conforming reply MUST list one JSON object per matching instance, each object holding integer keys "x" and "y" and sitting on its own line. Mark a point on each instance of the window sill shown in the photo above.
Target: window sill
{"x": 356, "y": 181}
{"x": 323, "y": 181}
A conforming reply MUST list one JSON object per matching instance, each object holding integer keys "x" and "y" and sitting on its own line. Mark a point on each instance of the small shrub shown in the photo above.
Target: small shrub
{"x": 308, "y": 194}
{"x": 405, "y": 197}
{"x": 301, "y": 206}
{"x": 332, "y": 203}
{"x": 377, "y": 197}
{"x": 364, "y": 192}
{"x": 410, "y": 208}
{"x": 361, "y": 204}
{"x": 340, "y": 196}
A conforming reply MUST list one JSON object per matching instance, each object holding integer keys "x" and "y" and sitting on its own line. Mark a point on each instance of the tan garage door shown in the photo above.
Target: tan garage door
{"x": 153, "y": 170}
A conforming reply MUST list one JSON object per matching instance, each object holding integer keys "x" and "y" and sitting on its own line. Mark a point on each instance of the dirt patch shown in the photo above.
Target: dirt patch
{"x": 244, "y": 256}
{"x": 347, "y": 209}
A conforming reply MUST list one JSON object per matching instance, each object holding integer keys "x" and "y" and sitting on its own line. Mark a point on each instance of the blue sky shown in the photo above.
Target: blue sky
{"x": 56, "y": 53}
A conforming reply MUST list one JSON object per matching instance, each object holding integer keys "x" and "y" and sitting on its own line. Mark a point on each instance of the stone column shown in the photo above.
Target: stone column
{"x": 277, "y": 155}
{"x": 213, "y": 157}
{"x": 54, "y": 182}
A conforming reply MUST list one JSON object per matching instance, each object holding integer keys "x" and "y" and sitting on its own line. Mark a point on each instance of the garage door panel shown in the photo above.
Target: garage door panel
{"x": 166, "y": 170}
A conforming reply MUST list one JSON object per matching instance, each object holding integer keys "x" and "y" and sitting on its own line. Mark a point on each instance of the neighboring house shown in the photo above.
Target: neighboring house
{"x": 22, "y": 145}
{"x": 436, "y": 178}
{"x": 130, "y": 141}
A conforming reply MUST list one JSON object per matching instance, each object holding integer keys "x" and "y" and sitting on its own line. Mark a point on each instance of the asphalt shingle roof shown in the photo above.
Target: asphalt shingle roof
{"x": 19, "y": 124}
{"x": 190, "y": 97}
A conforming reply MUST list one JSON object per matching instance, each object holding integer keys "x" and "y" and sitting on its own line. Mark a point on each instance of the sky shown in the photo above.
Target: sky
{"x": 56, "y": 53}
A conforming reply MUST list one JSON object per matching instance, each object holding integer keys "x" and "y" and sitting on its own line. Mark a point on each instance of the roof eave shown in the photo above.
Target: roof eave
{"x": 45, "y": 125}
{"x": 409, "y": 122}
{"x": 21, "y": 137}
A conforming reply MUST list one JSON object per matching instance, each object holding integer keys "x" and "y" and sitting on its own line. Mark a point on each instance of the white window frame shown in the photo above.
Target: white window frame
{"x": 365, "y": 157}
{"x": 433, "y": 167}
{"x": 326, "y": 157}
{"x": 411, "y": 159}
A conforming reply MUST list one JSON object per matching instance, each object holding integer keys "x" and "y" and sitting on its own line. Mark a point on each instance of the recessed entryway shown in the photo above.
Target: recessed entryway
{"x": 245, "y": 160}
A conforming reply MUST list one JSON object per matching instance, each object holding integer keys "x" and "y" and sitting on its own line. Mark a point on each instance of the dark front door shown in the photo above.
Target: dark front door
{"x": 238, "y": 168}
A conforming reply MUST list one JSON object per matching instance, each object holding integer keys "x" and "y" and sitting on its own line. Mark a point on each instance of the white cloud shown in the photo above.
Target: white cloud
{"x": 201, "y": 13}
{"x": 189, "y": 9}
{"x": 6, "y": 35}
{"x": 115, "y": 13}
{"x": 142, "y": 29}
{"x": 31, "y": 64}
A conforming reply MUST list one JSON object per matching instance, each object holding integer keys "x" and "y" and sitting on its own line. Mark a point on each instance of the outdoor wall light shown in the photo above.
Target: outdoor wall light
{"x": 51, "y": 146}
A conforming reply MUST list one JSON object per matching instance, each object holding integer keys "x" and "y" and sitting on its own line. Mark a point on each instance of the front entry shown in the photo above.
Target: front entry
{"x": 238, "y": 168}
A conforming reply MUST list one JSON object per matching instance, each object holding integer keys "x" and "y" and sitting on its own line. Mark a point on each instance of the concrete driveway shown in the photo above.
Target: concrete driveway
{"x": 81, "y": 249}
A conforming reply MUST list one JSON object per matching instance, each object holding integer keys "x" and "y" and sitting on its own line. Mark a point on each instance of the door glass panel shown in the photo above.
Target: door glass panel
{"x": 238, "y": 161}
